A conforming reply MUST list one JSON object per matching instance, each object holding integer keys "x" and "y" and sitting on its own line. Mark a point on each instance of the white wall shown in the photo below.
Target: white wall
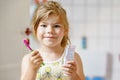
{"x": 98, "y": 20}
{"x": 14, "y": 18}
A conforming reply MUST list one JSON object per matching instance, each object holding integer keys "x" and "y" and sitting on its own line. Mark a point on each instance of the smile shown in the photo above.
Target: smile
{"x": 50, "y": 37}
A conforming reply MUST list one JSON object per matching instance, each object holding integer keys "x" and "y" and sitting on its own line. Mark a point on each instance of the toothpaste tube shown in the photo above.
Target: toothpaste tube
{"x": 70, "y": 53}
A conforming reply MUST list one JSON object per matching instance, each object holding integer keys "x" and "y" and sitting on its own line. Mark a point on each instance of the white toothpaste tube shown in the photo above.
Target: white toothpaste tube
{"x": 70, "y": 53}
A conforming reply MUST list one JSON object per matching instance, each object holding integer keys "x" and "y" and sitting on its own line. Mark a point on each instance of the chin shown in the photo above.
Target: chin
{"x": 50, "y": 44}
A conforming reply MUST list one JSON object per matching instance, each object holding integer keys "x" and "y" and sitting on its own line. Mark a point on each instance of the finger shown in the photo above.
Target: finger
{"x": 39, "y": 60}
{"x": 37, "y": 56}
{"x": 67, "y": 71}
{"x": 71, "y": 63}
{"x": 34, "y": 53}
{"x": 68, "y": 67}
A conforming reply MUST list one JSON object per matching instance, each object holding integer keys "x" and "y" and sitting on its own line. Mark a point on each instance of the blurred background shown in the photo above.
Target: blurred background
{"x": 94, "y": 29}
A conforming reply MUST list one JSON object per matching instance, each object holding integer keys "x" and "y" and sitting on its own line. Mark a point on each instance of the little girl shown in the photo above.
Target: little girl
{"x": 51, "y": 28}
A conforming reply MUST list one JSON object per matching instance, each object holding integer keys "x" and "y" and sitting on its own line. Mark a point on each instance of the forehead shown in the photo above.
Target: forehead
{"x": 52, "y": 17}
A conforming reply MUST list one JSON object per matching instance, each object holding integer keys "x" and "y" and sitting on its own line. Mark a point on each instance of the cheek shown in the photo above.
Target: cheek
{"x": 61, "y": 34}
{"x": 39, "y": 33}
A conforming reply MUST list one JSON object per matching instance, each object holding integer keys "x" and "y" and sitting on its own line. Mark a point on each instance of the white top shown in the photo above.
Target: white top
{"x": 52, "y": 70}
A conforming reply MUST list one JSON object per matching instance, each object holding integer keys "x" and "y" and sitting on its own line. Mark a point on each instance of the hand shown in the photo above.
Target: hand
{"x": 35, "y": 60}
{"x": 70, "y": 68}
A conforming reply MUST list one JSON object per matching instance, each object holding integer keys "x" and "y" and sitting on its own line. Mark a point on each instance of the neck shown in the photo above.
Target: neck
{"x": 55, "y": 49}
{"x": 51, "y": 53}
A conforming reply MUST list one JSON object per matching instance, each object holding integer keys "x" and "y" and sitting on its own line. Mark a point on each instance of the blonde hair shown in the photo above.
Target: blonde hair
{"x": 43, "y": 10}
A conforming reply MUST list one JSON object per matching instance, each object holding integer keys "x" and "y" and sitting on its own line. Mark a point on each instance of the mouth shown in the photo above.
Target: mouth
{"x": 51, "y": 37}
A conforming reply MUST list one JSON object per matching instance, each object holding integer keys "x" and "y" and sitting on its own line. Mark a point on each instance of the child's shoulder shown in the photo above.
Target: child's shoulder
{"x": 77, "y": 57}
{"x": 77, "y": 54}
{"x": 25, "y": 57}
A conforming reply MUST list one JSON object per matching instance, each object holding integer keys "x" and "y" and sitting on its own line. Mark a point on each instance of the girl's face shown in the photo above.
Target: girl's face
{"x": 50, "y": 31}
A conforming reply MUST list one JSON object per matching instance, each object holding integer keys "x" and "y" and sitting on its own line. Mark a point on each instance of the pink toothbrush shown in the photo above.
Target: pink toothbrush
{"x": 26, "y": 42}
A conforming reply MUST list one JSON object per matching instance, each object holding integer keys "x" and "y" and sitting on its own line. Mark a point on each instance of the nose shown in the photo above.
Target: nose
{"x": 50, "y": 29}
